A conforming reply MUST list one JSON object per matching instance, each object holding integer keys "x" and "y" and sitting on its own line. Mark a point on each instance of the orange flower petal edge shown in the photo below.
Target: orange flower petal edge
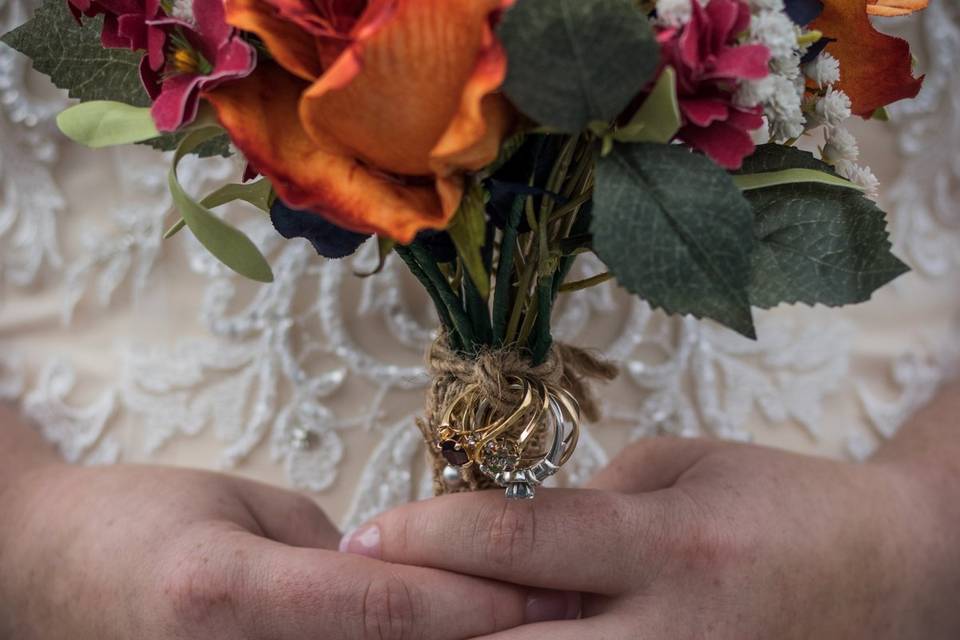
{"x": 291, "y": 46}
{"x": 875, "y": 69}
{"x": 409, "y": 91}
{"x": 890, "y": 8}
{"x": 319, "y": 175}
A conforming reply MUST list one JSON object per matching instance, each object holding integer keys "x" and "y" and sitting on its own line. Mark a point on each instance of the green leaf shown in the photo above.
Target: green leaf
{"x": 815, "y": 243}
{"x": 675, "y": 230}
{"x": 658, "y": 119}
{"x": 468, "y": 229}
{"x": 104, "y": 123}
{"x": 72, "y": 56}
{"x": 259, "y": 194}
{"x": 229, "y": 245}
{"x": 384, "y": 246}
{"x": 751, "y": 181}
{"x": 576, "y": 61}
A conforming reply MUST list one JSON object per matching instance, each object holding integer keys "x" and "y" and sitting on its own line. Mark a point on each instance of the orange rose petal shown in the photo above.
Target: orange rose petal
{"x": 291, "y": 46}
{"x": 875, "y": 69}
{"x": 888, "y": 8}
{"x": 472, "y": 139}
{"x": 415, "y": 67}
{"x": 259, "y": 112}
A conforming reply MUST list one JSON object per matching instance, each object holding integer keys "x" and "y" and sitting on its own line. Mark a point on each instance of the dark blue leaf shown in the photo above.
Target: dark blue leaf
{"x": 816, "y": 49}
{"x": 526, "y": 173}
{"x": 328, "y": 239}
{"x": 803, "y": 12}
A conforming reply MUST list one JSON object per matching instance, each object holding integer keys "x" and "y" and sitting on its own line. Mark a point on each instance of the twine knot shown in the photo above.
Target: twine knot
{"x": 494, "y": 372}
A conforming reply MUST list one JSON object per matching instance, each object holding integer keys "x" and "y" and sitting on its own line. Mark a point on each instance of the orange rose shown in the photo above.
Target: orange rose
{"x": 373, "y": 109}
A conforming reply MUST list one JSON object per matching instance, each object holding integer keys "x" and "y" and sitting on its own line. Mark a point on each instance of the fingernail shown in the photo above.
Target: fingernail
{"x": 543, "y": 606}
{"x": 364, "y": 541}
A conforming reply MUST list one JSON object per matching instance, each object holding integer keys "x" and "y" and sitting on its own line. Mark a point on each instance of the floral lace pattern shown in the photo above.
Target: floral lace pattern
{"x": 268, "y": 366}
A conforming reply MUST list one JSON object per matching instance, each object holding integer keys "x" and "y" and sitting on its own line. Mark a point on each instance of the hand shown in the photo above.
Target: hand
{"x": 139, "y": 552}
{"x": 682, "y": 539}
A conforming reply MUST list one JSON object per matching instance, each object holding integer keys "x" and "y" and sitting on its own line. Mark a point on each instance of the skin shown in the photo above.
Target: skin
{"x": 697, "y": 539}
{"x": 123, "y": 552}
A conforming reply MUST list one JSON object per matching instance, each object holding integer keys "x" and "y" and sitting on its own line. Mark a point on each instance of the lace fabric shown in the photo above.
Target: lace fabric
{"x": 122, "y": 347}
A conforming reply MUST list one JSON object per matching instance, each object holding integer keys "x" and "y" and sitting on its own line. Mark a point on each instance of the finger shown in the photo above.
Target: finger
{"x": 606, "y": 628}
{"x": 295, "y": 594}
{"x": 288, "y": 517}
{"x": 575, "y": 540}
{"x": 652, "y": 464}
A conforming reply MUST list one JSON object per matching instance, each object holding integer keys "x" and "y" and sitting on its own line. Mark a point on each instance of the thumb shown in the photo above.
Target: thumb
{"x": 652, "y": 464}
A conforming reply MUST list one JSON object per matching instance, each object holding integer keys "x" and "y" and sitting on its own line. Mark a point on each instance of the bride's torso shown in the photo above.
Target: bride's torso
{"x": 124, "y": 347}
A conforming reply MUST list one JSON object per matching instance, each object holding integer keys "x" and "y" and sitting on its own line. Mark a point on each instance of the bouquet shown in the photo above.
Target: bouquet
{"x": 697, "y": 147}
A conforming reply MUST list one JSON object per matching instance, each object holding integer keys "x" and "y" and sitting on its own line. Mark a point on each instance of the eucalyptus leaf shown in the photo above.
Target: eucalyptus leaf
{"x": 259, "y": 194}
{"x": 675, "y": 230}
{"x": 468, "y": 229}
{"x": 228, "y": 244}
{"x": 815, "y": 243}
{"x": 105, "y": 123}
{"x": 384, "y": 246}
{"x": 572, "y": 62}
{"x": 751, "y": 181}
{"x": 658, "y": 118}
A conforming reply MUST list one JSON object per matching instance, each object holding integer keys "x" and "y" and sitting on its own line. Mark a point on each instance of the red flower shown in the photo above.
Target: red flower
{"x": 710, "y": 63}
{"x": 125, "y": 25}
{"x": 200, "y": 55}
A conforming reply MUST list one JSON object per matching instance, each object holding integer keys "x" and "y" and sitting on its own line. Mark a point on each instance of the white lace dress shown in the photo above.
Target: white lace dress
{"x": 124, "y": 348}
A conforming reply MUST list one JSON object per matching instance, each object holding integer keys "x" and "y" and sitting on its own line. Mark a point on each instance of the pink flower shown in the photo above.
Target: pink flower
{"x": 200, "y": 55}
{"x": 710, "y": 63}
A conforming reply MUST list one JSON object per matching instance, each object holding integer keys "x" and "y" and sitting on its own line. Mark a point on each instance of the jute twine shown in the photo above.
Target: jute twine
{"x": 566, "y": 366}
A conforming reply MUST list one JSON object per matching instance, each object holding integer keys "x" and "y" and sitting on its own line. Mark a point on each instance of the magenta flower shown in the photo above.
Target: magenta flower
{"x": 201, "y": 53}
{"x": 126, "y": 25}
{"x": 710, "y": 64}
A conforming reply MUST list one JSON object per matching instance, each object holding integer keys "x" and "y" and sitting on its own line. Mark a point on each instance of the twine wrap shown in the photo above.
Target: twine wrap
{"x": 569, "y": 367}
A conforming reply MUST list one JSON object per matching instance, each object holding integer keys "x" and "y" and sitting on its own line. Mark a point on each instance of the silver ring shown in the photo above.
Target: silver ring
{"x": 520, "y": 484}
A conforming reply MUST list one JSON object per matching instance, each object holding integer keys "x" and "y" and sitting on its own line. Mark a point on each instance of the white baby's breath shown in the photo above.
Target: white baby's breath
{"x": 833, "y": 108}
{"x": 823, "y": 70}
{"x": 776, "y": 31}
{"x": 841, "y": 146}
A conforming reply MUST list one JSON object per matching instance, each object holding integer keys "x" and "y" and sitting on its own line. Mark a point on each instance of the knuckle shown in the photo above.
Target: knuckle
{"x": 195, "y": 590}
{"x": 511, "y": 534}
{"x": 706, "y": 543}
{"x": 390, "y": 607}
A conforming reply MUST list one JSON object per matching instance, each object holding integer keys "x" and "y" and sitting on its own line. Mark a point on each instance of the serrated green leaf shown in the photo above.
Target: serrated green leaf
{"x": 228, "y": 244}
{"x": 675, "y": 230}
{"x": 815, "y": 243}
{"x": 751, "y": 181}
{"x": 105, "y": 123}
{"x": 72, "y": 56}
{"x": 658, "y": 119}
{"x": 468, "y": 230}
{"x": 575, "y": 61}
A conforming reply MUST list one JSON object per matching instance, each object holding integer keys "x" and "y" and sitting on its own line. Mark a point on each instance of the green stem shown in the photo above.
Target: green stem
{"x": 419, "y": 274}
{"x": 504, "y": 283}
{"x": 586, "y": 283}
{"x": 542, "y": 338}
{"x": 458, "y": 316}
